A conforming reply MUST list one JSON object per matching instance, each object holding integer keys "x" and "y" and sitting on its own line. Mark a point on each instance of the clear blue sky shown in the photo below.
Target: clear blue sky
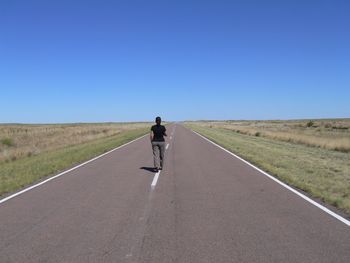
{"x": 92, "y": 61}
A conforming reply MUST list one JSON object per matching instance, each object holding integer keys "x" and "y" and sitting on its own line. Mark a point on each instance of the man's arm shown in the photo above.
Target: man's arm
{"x": 151, "y": 135}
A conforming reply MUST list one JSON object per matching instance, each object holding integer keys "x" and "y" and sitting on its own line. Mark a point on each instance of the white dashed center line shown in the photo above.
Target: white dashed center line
{"x": 155, "y": 180}
{"x": 156, "y": 175}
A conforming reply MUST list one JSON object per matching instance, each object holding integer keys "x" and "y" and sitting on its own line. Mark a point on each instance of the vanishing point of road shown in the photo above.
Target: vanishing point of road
{"x": 205, "y": 206}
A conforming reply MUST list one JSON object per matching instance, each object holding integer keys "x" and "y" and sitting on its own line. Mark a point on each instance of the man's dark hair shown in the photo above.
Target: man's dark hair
{"x": 158, "y": 120}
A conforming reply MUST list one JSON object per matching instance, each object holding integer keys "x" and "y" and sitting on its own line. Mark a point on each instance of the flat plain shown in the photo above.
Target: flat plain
{"x": 312, "y": 155}
{"x": 31, "y": 152}
{"x": 207, "y": 206}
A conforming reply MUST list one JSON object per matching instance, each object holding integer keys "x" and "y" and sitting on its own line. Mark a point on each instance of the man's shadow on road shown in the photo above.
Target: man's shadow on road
{"x": 150, "y": 169}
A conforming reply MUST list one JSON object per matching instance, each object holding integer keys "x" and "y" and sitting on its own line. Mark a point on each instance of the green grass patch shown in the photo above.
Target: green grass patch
{"x": 323, "y": 173}
{"x": 7, "y": 142}
{"x": 20, "y": 173}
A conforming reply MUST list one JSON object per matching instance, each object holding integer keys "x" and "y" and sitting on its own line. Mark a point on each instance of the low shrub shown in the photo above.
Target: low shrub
{"x": 8, "y": 142}
{"x": 309, "y": 124}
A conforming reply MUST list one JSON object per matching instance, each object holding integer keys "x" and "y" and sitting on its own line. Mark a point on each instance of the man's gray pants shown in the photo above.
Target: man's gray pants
{"x": 158, "y": 153}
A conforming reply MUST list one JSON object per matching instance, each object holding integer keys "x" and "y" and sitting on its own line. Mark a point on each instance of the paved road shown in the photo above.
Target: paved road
{"x": 207, "y": 206}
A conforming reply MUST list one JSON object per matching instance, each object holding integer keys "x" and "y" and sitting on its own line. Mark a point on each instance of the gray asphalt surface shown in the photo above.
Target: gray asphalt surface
{"x": 207, "y": 206}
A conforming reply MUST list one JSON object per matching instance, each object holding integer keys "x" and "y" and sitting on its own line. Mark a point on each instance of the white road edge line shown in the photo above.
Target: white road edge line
{"x": 65, "y": 172}
{"x": 331, "y": 213}
{"x": 167, "y": 146}
{"x": 155, "y": 180}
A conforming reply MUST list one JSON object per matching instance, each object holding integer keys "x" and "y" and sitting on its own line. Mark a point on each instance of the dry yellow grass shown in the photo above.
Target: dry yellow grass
{"x": 328, "y": 134}
{"x": 305, "y": 157}
{"x": 31, "y": 152}
{"x": 18, "y": 141}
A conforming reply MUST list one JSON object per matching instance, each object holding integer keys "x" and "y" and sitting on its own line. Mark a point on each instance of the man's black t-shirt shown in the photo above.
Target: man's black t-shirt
{"x": 158, "y": 132}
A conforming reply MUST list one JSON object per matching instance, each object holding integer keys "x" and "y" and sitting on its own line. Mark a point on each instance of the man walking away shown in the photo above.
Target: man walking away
{"x": 158, "y": 143}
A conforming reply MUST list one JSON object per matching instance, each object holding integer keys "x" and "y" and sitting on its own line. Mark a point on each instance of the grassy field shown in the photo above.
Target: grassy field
{"x": 31, "y": 152}
{"x": 18, "y": 141}
{"x": 312, "y": 156}
{"x": 329, "y": 134}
